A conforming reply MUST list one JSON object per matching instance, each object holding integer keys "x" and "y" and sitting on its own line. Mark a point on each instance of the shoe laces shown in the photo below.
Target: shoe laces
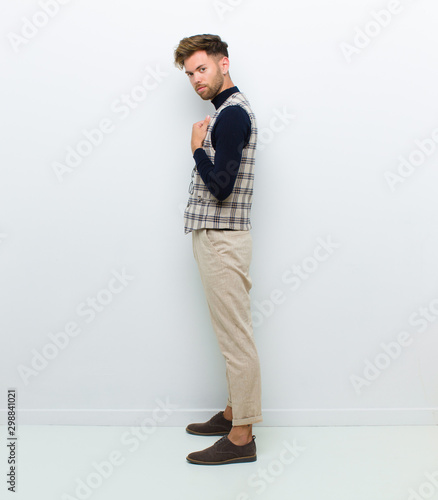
{"x": 223, "y": 438}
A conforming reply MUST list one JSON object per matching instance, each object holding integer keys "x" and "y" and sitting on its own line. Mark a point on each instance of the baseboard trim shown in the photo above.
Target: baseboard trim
{"x": 171, "y": 417}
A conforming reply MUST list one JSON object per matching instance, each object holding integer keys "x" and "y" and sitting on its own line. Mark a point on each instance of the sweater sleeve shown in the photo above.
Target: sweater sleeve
{"x": 230, "y": 135}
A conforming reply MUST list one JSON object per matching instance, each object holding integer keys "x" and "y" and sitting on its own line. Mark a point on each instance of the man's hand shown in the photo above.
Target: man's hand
{"x": 199, "y": 131}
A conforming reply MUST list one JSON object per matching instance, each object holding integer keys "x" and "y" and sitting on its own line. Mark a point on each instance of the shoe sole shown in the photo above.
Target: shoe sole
{"x": 252, "y": 458}
{"x": 224, "y": 433}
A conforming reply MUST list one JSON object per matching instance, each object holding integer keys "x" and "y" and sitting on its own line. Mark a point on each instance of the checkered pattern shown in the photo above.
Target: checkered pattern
{"x": 203, "y": 209}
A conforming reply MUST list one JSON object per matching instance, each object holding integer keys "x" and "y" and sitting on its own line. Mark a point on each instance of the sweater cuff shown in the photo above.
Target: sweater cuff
{"x": 199, "y": 154}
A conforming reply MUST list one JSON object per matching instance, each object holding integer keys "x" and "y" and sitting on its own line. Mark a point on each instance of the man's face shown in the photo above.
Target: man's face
{"x": 204, "y": 74}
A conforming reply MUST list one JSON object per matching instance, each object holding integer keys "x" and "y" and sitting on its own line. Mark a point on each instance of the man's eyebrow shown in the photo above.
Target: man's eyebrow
{"x": 196, "y": 68}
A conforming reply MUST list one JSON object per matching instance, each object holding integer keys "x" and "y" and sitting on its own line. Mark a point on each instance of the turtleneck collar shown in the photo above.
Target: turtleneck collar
{"x": 223, "y": 96}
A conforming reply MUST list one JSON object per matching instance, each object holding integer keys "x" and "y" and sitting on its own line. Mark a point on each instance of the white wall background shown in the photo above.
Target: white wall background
{"x": 322, "y": 174}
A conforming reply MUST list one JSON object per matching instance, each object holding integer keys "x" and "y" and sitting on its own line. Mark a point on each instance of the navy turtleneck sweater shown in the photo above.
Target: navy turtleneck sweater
{"x": 230, "y": 134}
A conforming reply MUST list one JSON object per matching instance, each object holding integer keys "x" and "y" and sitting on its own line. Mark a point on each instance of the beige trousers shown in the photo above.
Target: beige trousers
{"x": 223, "y": 259}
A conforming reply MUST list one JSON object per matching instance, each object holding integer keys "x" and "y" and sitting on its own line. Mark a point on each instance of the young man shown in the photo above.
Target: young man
{"x": 218, "y": 216}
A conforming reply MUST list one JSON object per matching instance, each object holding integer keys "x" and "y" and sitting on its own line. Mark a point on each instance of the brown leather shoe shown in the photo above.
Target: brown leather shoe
{"x": 218, "y": 425}
{"x": 224, "y": 452}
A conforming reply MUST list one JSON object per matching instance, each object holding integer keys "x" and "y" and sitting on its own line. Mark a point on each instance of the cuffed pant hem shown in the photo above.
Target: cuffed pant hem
{"x": 247, "y": 421}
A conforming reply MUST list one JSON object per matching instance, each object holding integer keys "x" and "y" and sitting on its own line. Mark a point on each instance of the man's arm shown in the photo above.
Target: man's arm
{"x": 231, "y": 134}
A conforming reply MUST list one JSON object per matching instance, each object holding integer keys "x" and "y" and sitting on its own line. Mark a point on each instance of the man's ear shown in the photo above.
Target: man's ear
{"x": 224, "y": 65}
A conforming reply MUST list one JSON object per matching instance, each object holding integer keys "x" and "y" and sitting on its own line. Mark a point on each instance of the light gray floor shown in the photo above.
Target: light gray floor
{"x": 305, "y": 463}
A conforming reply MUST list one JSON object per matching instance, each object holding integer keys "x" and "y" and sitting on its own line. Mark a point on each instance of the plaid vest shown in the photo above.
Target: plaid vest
{"x": 203, "y": 209}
